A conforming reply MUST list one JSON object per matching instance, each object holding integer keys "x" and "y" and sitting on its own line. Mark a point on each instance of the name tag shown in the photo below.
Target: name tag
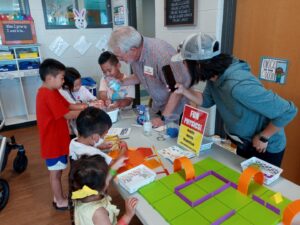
{"x": 148, "y": 70}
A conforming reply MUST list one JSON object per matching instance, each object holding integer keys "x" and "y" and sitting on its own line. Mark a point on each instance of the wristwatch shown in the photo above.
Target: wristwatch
{"x": 163, "y": 118}
{"x": 263, "y": 139}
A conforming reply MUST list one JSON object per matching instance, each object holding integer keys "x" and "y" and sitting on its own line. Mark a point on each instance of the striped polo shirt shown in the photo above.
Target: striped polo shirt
{"x": 156, "y": 54}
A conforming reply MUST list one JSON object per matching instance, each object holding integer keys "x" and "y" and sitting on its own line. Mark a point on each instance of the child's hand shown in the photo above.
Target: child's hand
{"x": 123, "y": 147}
{"x": 120, "y": 162}
{"x": 105, "y": 145}
{"x": 130, "y": 206}
{"x": 113, "y": 106}
{"x": 107, "y": 102}
{"x": 98, "y": 104}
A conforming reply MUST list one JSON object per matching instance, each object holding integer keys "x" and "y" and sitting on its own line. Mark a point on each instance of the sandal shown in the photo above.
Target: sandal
{"x": 62, "y": 208}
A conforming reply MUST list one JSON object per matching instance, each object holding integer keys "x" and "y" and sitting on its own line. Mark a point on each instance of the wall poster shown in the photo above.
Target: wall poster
{"x": 273, "y": 69}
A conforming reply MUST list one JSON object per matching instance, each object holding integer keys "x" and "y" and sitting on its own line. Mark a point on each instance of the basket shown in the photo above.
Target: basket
{"x": 113, "y": 115}
{"x": 271, "y": 172}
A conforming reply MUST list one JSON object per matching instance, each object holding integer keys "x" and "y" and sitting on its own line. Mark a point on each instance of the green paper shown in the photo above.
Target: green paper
{"x": 259, "y": 215}
{"x": 198, "y": 170}
{"x": 190, "y": 218}
{"x": 210, "y": 164}
{"x": 154, "y": 192}
{"x": 193, "y": 192}
{"x": 256, "y": 189}
{"x": 282, "y": 205}
{"x": 229, "y": 174}
{"x": 171, "y": 207}
{"x": 212, "y": 209}
{"x": 233, "y": 198}
{"x": 236, "y": 220}
{"x": 210, "y": 183}
{"x": 172, "y": 181}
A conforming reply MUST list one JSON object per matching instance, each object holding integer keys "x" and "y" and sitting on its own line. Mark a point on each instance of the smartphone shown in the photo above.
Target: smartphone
{"x": 169, "y": 77}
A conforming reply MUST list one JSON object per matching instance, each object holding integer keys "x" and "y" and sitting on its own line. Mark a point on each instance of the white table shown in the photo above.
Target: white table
{"x": 146, "y": 213}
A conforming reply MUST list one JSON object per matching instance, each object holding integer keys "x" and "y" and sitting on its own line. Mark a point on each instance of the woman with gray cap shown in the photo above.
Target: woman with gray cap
{"x": 254, "y": 117}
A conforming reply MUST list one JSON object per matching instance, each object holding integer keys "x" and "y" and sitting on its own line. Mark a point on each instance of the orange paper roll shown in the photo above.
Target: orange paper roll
{"x": 290, "y": 212}
{"x": 246, "y": 177}
{"x": 184, "y": 162}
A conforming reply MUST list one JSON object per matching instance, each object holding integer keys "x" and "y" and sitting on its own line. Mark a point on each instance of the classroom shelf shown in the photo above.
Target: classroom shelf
{"x": 19, "y": 85}
{"x": 16, "y": 120}
{"x": 31, "y": 117}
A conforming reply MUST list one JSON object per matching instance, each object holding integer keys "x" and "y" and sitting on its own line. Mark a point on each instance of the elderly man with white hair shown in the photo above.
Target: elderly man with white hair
{"x": 147, "y": 57}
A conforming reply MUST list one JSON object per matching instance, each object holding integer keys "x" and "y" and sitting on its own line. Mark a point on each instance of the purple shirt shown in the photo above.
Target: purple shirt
{"x": 156, "y": 54}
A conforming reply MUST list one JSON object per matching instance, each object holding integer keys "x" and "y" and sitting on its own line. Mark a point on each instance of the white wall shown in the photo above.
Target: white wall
{"x": 209, "y": 15}
{"x": 145, "y": 13}
{"x": 87, "y": 63}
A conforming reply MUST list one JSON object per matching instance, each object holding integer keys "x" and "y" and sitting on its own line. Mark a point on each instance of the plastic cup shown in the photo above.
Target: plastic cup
{"x": 172, "y": 125}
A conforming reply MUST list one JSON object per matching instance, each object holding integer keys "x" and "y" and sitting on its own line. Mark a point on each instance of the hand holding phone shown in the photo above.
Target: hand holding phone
{"x": 169, "y": 77}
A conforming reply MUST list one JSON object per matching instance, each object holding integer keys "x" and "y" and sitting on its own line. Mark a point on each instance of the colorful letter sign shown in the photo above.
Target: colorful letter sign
{"x": 192, "y": 128}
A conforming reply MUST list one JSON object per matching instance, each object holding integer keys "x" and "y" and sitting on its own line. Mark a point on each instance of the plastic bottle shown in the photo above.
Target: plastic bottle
{"x": 114, "y": 85}
{"x": 147, "y": 123}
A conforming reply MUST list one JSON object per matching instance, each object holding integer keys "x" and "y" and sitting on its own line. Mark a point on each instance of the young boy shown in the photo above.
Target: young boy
{"x": 92, "y": 125}
{"x": 53, "y": 111}
{"x": 110, "y": 66}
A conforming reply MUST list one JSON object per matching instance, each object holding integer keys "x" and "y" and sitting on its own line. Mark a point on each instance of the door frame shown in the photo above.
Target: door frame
{"x": 132, "y": 21}
{"x": 227, "y": 40}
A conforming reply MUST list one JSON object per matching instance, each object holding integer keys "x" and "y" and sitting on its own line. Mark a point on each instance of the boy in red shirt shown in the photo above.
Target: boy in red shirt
{"x": 52, "y": 112}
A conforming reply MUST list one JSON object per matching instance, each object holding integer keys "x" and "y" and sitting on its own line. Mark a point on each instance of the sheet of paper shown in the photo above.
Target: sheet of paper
{"x": 58, "y": 46}
{"x": 82, "y": 45}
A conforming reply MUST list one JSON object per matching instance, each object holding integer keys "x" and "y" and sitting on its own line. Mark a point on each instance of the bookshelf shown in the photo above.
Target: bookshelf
{"x": 19, "y": 82}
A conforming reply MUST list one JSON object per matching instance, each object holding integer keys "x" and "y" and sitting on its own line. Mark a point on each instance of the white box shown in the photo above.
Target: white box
{"x": 135, "y": 178}
{"x": 271, "y": 172}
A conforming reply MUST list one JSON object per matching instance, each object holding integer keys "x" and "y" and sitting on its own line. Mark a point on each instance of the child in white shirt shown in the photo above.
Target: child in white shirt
{"x": 74, "y": 92}
{"x": 92, "y": 125}
{"x": 112, "y": 98}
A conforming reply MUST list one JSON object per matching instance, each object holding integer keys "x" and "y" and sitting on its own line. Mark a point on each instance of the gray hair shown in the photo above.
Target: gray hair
{"x": 125, "y": 38}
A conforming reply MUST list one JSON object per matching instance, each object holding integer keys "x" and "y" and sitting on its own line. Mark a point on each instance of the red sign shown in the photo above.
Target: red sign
{"x": 192, "y": 128}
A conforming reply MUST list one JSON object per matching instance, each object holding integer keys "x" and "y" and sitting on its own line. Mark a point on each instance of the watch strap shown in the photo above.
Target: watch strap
{"x": 263, "y": 139}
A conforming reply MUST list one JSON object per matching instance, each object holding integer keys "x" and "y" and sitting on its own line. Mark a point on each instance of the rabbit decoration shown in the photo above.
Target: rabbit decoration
{"x": 80, "y": 21}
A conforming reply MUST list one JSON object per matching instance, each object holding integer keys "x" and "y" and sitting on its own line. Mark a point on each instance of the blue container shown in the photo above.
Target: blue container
{"x": 172, "y": 132}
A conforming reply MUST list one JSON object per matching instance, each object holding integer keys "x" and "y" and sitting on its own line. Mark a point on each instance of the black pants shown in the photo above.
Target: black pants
{"x": 247, "y": 151}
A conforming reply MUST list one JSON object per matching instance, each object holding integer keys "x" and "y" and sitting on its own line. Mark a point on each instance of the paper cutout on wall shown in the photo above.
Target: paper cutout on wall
{"x": 58, "y": 46}
{"x": 102, "y": 43}
{"x": 79, "y": 17}
{"x": 82, "y": 45}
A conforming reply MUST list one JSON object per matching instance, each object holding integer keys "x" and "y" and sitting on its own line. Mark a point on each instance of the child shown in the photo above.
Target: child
{"x": 119, "y": 97}
{"x": 77, "y": 95}
{"x": 92, "y": 125}
{"x": 53, "y": 111}
{"x": 74, "y": 92}
{"x": 88, "y": 184}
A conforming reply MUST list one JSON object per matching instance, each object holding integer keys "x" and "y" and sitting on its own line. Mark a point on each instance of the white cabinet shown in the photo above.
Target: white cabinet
{"x": 19, "y": 82}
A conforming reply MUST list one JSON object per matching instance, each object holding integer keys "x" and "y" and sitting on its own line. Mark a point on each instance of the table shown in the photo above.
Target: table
{"x": 146, "y": 213}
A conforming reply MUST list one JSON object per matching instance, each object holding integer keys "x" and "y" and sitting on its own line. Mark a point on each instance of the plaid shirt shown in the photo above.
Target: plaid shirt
{"x": 156, "y": 54}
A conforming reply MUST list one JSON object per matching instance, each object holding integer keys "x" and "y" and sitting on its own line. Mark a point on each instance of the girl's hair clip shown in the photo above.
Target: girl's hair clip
{"x": 85, "y": 191}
